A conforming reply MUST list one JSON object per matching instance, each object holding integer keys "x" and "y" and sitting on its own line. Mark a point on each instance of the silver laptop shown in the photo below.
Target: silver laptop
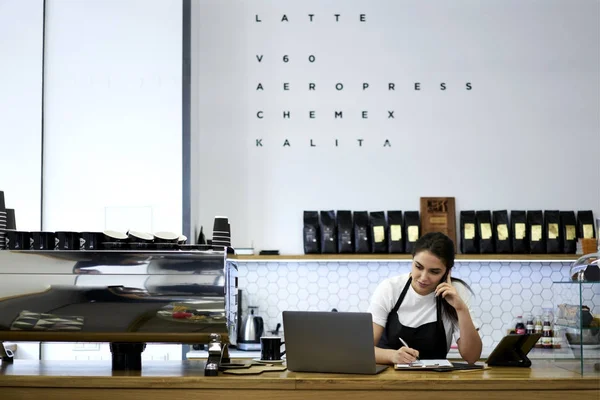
{"x": 339, "y": 342}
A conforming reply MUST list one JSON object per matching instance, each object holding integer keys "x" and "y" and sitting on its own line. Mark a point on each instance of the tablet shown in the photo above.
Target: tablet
{"x": 512, "y": 350}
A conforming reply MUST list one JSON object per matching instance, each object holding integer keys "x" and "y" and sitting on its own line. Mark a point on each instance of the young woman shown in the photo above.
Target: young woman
{"x": 424, "y": 308}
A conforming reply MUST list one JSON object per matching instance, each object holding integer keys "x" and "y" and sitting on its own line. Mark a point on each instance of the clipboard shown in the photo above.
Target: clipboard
{"x": 424, "y": 365}
{"x": 512, "y": 351}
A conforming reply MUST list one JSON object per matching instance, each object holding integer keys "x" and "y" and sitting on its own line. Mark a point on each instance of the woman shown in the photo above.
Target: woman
{"x": 425, "y": 308}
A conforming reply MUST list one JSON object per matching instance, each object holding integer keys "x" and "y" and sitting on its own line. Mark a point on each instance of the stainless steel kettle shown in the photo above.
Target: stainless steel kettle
{"x": 252, "y": 328}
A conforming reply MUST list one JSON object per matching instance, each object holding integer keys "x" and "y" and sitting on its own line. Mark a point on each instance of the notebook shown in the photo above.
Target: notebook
{"x": 340, "y": 342}
{"x": 424, "y": 365}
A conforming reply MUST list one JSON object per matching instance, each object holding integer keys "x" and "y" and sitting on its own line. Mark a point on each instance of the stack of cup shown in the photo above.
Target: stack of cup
{"x": 2, "y": 220}
{"x": 221, "y": 233}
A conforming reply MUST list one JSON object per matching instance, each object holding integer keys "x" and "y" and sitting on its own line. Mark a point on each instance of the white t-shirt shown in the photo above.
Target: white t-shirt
{"x": 415, "y": 310}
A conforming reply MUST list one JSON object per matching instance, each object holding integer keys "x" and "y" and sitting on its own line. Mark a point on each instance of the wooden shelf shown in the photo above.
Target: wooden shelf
{"x": 384, "y": 257}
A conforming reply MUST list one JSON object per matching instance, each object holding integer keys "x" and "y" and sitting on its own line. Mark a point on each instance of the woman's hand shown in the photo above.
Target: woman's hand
{"x": 405, "y": 355}
{"x": 448, "y": 292}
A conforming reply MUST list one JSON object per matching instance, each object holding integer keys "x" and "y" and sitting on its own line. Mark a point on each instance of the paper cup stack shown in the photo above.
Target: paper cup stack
{"x": 221, "y": 233}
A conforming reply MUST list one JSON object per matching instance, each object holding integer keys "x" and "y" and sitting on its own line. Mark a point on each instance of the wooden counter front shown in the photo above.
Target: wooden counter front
{"x": 171, "y": 380}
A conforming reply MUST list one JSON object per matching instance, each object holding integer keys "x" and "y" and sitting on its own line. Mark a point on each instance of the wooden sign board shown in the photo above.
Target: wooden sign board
{"x": 438, "y": 215}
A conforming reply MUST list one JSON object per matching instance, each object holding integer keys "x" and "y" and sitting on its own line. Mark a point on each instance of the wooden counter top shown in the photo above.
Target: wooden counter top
{"x": 182, "y": 380}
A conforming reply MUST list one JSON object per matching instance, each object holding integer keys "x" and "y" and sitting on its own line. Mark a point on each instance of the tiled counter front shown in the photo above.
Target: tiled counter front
{"x": 503, "y": 290}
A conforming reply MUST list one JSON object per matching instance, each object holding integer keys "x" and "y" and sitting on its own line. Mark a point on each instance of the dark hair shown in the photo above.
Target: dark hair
{"x": 442, "y": 247}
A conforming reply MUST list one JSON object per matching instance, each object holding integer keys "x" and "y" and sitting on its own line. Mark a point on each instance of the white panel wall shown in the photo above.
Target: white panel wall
{"x": 113, "y": 115}
{"x": 526, "y": 136}
{"x": 21, "y": 108}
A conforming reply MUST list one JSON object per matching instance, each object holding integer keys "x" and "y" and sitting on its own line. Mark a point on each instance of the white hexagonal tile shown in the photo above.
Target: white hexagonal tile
{"x": 506, "y": 294}
{"x": 302, "y": 282}
{"x": 547, "y": 294}
{"x": 486, "y": 318}
{"x": 516, "y": 300}
{"x": 343, "y": 282}
{"x": 333, "y": 276}
{"x": 516, "y": 289}
{"x": 323, "y": 283}
{"x": 505, "y": 272}
{"x": 526, "y": 282}
{"x": 363, "y": 272}
{"x": 495, "y": 277}
{"x": 505, "y": 282}
{"x": 485, "y": 282}
{"x": 536, "y": 289}
{"x": 353, "y": 276}
{"x": 496, "y": 289}
{"x": 292, "y": 275}
{"x": 343, "y": 272}
{"x": 485, "y": 295}
{"x": 496, "y": 301}
{"x": 292, "y": 288}
{"x": 293, "y": 300}
{"x": 312, "y": 289}
{"x": 364, "y": 295}
{"x": 303, "y": 305}
{"x": 323, "y": 305}
{"x": 497, "y": 324}
{"x": 334, "y": 300}
{"x": 313, "y": 276}
{"x": 537, "y": 300}
{"x": 344, "y": 306}
{"x": 323, "y": 294}
{"x": 506, "y": 306}
{"x": 474, "y": 276}
{"x": 545, "y": 271}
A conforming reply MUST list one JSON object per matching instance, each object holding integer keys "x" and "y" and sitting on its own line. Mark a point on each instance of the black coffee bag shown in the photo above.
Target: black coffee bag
{"x": 469, "y": 241}
{"x": 344, "y": 231}
{"x": 328, "y": 236}
{"x": 537, "y": 236}
{"x": 501, "y": 231}
{"x": 378, "y": 232}
{"x": 585, "y": 225}
{"x": 362, "y": 242}
{"x": 311, "y": 235}
{"x": 395, "y": 236}
{"x": 518, "y": 231}
{"x": 485, "y": 232}
{"x": 412, "y": 230}
{"x": 552, "y": 231}
{"x": 568, "y": 230}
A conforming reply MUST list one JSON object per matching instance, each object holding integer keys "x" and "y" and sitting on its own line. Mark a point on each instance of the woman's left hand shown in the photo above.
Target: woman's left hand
{"x": 448, "y": 292}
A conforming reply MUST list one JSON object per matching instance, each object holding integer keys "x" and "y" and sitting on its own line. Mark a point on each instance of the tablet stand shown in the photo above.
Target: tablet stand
{"x": 512, "y": 351}
{"x": 516, "y": 359}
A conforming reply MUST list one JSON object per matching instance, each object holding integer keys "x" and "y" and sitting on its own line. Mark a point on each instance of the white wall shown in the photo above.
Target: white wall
{"x": 21, "y": 108}
{"x": 113, "y": 115}
{"x": 520, "y": 139}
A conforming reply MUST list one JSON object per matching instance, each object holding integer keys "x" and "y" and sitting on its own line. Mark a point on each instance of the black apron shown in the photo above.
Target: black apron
{"x": 429, "y": 339}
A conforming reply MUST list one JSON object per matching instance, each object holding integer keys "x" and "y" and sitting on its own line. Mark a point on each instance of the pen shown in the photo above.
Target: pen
{"x": 406, "y": 344}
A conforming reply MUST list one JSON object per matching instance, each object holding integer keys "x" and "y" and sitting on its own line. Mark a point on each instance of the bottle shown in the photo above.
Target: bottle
{"x": 520, "y": 326}
{"x": 547, "y": 333}
{"x": 538, "y": 327}
{"x": 557, "y": 339}
{"x": 529, "y": 326}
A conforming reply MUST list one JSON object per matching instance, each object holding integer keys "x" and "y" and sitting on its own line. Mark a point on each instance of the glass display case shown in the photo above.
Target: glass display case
{"x": 577, "y": 318}
{"x": 123, "y": 297}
